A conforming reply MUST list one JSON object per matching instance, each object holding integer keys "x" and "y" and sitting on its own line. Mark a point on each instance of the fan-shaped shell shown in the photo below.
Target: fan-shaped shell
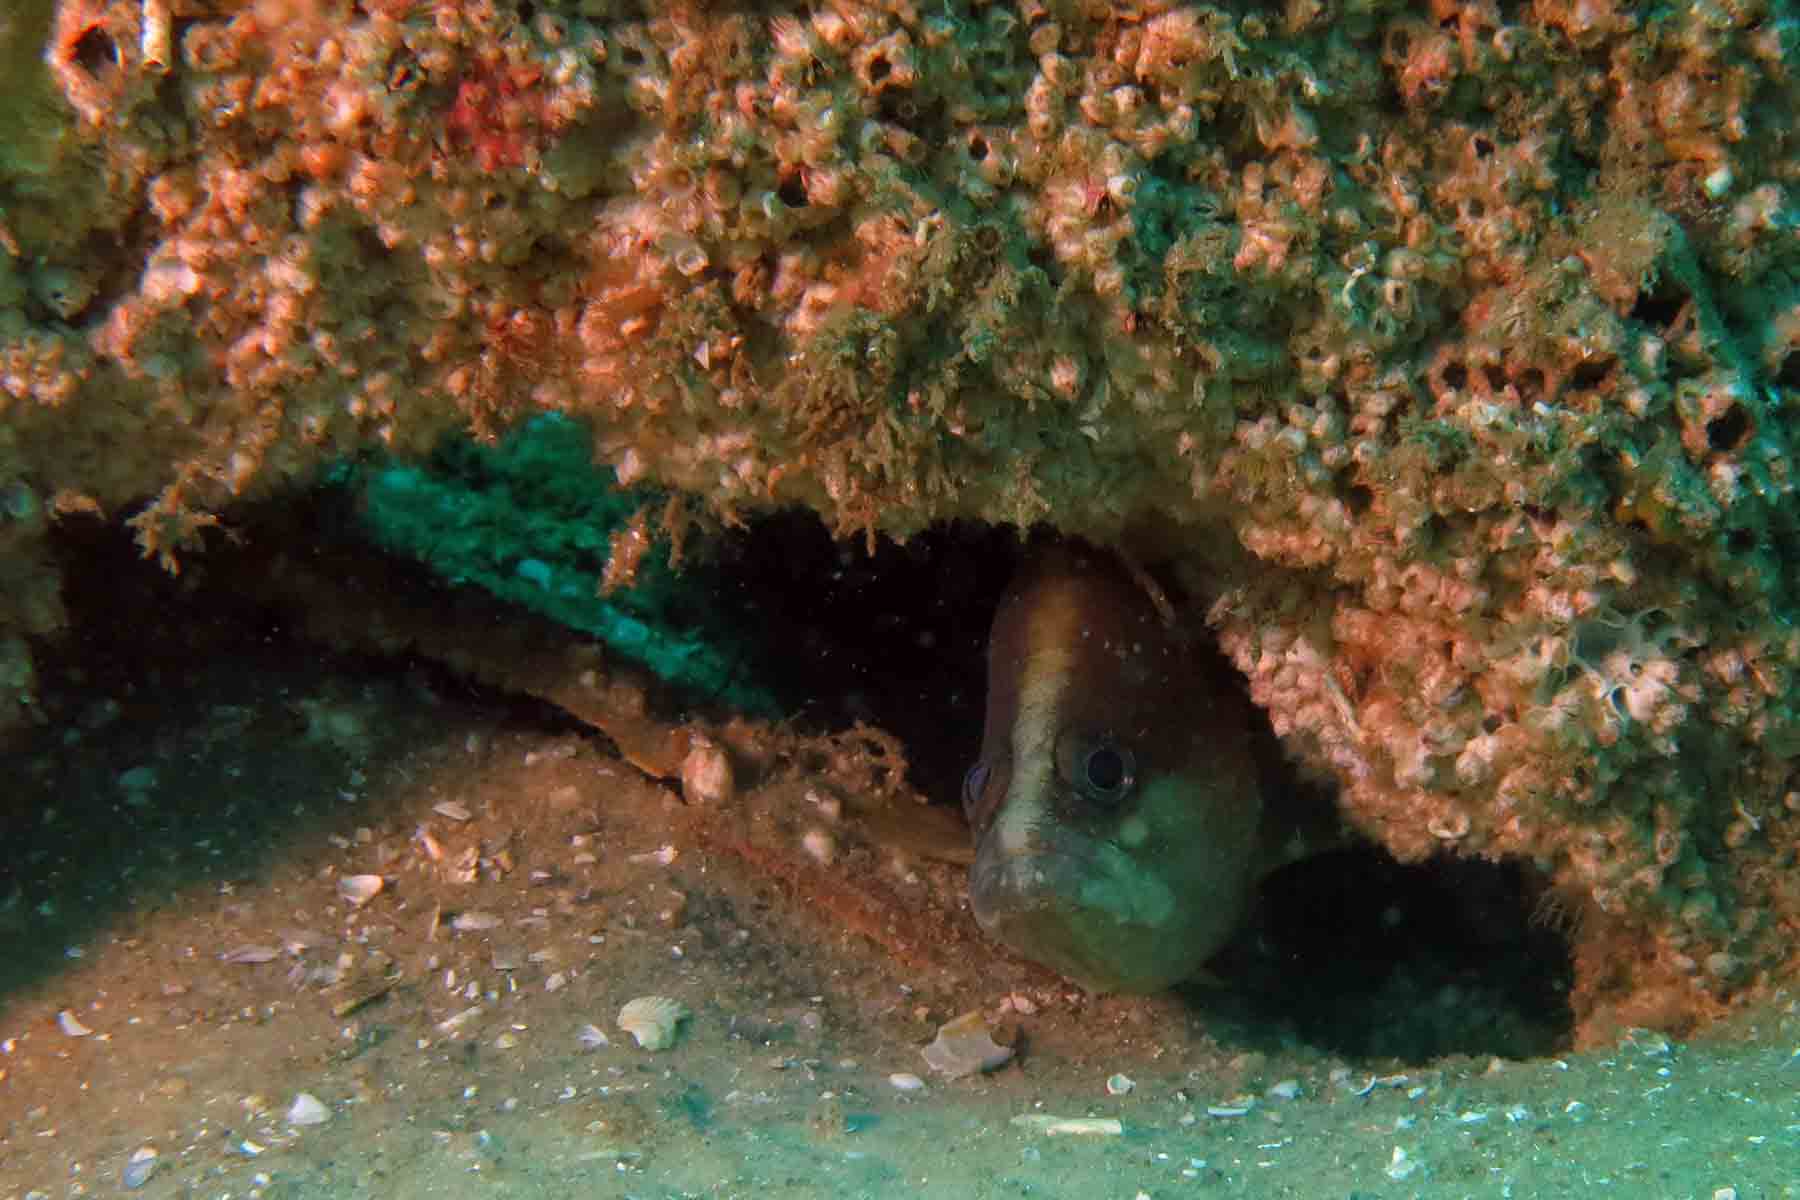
{"x": 653, "y": 1020}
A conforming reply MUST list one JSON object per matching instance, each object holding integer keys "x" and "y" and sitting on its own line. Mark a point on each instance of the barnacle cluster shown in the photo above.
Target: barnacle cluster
{"x": 1450, "y": 347}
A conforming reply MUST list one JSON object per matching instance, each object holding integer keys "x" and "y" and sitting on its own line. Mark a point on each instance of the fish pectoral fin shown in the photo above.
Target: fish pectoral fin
{"x": 931, "y": 831}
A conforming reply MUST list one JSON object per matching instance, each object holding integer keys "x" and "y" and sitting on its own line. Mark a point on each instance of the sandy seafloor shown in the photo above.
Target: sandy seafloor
{"x": 179, "y": 965}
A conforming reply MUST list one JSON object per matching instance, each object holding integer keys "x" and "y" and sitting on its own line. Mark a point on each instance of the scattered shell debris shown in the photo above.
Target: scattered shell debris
{"x": 965, "y": 1046}
{"x": 1120, "y": 1085}
{"x": 655, "y": 1021}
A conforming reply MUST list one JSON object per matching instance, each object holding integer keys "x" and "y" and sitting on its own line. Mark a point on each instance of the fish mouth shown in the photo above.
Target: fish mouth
{"x": 1084, "y": 908}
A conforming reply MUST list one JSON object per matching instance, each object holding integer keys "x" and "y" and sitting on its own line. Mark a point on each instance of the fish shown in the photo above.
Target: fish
{"x": 1117, "y": 804}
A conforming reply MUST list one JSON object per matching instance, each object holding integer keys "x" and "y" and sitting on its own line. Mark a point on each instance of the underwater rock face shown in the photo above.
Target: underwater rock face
{"x": 1457, "y": 341}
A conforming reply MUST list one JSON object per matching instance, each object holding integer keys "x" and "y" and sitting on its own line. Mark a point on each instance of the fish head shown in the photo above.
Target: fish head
{"x": 1115, "y": 803}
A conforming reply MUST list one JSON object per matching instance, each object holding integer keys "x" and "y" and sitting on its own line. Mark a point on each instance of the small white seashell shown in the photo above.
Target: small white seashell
{"x": 905, "y": 1081}
{"x": 250, "y": 954}
{"x": 71, "y": 1025}
{"x": 1287, "y": 1089}
{"x": 820, "y": 846}
{"x": 706, "y": 776}
{"x": 360, "y": 889}
{"x": 1119, "y": 1085}
{"x": 307, "y": 1110}
{"x": 592, "y": 1037}
{"x": 653, "y": 1020}
{"x": 452, "y": 810}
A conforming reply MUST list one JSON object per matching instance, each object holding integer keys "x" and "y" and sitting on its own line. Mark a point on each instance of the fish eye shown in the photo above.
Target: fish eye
{"x": 1107, "y": 770}
{"x": 1098, "y": 767}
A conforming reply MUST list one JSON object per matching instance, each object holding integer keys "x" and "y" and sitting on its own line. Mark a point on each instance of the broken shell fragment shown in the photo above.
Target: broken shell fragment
{"x": 1062, "y": 1126}
{"x": 138, "y": 1168}
{"x": 653, "y": 1020}
{"x": 360, "y": 889}
{"x": 70, "y": 1024}
{"x": 1449, "y": 828}
{"x": 706, "y": 776}
{"x": 456, "y": 1021}
{"x": 474, "y": 921}
{"x": 307, "y": 1109}
{"x": 964, "y": 1047}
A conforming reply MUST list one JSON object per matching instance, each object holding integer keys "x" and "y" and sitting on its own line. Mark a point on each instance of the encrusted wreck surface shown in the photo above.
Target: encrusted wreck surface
{"x": 1449, "y": 349}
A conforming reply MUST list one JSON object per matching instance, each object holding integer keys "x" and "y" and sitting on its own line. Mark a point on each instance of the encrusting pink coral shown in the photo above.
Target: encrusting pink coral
{"x": 1444, "y": 332}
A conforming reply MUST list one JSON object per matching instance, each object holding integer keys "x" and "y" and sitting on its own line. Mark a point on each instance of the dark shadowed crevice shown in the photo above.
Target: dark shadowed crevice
{"x": 1361, "y": 956}
{"x": 897, "y": 638}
